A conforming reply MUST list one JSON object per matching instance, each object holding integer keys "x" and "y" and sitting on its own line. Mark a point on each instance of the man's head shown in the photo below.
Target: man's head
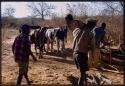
{"x": 25, "y": 29}
{"x": 103, "y": 25}
{"x": 72, "y": 24}
{"x": 91, "y": 23}
{"x": 69, "y": 18}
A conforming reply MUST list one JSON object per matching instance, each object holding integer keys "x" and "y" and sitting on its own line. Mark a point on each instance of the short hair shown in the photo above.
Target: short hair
{"x": 25, "y": 28}
{"x": 69, "y": 17}
{"x": 103, "y": 24}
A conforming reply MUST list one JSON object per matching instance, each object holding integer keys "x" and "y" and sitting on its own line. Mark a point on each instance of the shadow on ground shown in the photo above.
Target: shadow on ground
{"x": 73, "y": 80}
{"x": 60, "y": 59}
{"x": 67, "y": 53}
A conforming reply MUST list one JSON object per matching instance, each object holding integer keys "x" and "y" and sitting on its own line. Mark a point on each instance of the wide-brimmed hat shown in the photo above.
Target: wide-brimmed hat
{"x": 91, "y": 20}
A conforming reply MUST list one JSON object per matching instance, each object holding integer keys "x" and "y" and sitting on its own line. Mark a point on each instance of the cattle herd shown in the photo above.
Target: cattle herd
{"x": 41, "y": 36}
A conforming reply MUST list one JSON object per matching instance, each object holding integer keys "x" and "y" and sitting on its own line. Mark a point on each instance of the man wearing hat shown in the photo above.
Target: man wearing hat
{"x": 21, "y": 49}
{"x": 83, "y": 42}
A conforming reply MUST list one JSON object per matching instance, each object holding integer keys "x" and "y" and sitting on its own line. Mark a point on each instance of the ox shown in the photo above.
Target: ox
{"x": 58, "y": 35}
{"x": 38, "y": 39}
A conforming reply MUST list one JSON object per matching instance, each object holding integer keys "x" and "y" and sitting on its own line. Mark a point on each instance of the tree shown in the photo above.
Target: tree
{"x": 72, "y": 9}
{"x": 82, "y": 8}
{"x": 8, "y": 11}
{"x": 114, "y": 8}
{"x": 77, "y": 9}
{"x": 121, "y": 4}
{"x": 41, "y": 9}
{"x": 115, "y": 11}
{"x": 8, "y": 16}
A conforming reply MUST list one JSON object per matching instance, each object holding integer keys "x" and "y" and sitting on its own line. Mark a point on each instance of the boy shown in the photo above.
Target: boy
{"x": 21, "y": 49}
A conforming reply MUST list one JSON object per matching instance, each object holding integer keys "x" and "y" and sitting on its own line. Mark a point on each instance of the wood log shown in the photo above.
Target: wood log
{"x": 115, "y": 61}
{"x": 97, "y": 78}
{"x": 105, "y": 80}
{"x": 109, "y": 68}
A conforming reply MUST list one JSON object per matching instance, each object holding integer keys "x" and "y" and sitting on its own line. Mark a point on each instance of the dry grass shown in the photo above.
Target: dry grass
{"x": 114, "y": 25}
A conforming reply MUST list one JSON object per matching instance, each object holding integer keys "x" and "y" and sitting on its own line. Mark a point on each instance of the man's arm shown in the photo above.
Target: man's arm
{"x": 30, "y": 52}
{"x": 102, "y": 39}
{"x": 34, "y": 58}
{"x": 13, "y": 46}
{"x": 92, "y": 44}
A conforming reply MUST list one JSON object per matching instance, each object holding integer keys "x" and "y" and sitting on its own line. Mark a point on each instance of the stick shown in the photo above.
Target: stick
{"x": 111, "y": 70}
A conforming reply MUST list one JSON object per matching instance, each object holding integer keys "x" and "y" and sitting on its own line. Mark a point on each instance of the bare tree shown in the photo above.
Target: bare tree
{"x": 53, "y": 15}
{"x": 8, "y": 11}
{"x": 122, "y": 4}
{"x": 114, "y": 12}
{"x": 114, "y": 8}
{"x": 8, "y": 16}
{"x": 41, "y": 9}
{"x": 82, "y": 8}
{"x": 77, "y": 9}
{"x": 72, "y": 9}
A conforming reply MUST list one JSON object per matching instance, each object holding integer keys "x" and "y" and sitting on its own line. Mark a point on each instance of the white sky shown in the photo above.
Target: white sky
{"x": 23, "y": 11}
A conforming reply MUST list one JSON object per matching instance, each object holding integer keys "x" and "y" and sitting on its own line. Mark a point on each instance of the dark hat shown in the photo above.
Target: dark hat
{"x": 90, "y": 20}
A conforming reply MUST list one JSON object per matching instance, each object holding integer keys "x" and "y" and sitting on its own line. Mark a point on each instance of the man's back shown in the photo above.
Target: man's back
{"x": 82, "y": 40}
{"x": 99, "y": 31}
{"x": 21, "y": 47}
{"x": 99, "y": 35}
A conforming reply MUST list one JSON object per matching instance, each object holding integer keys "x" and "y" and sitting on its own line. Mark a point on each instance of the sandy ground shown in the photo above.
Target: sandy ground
{"x": 51, "y": 70}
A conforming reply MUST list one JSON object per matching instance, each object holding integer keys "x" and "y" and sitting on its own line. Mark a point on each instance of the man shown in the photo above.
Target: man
{"x": 83, "y": 42}
{"x": 22, "y": 49}
{"x": 100, "y": 34}
{"x": 99, "y": 42}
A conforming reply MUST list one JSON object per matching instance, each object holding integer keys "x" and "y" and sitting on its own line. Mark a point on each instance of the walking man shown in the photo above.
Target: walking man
{"x": 21, "y": 49}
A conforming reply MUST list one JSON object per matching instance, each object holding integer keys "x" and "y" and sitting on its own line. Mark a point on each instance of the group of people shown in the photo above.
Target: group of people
{"x": 84, "y": 41}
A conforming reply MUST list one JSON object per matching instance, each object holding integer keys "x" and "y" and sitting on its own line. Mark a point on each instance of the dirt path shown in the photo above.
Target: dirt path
{"x": 49, "y": 70}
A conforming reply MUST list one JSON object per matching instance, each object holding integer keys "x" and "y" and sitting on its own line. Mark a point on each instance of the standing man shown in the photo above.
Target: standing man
{"x": 99, "y": 42}
{"x": 83, "y": 42}
{"x": 21, "y": 49}
{"x": 100, "y": 35}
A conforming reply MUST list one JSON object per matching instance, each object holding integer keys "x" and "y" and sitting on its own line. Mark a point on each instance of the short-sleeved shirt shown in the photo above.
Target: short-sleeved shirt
{"x": 21, "y": 47}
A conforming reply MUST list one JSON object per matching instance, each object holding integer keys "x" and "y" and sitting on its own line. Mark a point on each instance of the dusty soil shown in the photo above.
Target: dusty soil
{"x": 49, "y": 70}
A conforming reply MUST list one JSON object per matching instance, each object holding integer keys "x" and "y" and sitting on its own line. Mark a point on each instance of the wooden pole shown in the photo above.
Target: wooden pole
{"x": 110, "y": 50}
{"x": 119, "y": 39}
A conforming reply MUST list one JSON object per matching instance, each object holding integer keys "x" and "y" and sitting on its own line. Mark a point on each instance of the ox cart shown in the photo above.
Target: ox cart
{"x": 113, "y": 56}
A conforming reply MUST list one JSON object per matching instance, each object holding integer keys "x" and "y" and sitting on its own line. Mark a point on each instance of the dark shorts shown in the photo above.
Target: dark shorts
{"x": 23, "y": 67}
{"x": 81, "y": 61}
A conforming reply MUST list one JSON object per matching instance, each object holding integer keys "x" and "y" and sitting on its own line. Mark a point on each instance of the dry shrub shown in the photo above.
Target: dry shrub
{"x": 114, "y": 27}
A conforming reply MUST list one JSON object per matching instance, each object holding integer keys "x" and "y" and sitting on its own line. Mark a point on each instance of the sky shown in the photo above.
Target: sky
{"x": 23, "y": 11}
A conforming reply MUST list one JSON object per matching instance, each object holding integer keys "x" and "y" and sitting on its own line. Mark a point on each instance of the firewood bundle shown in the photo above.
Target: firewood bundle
{"x": 94, "y": 77}
{"x": 97, "y": 78}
